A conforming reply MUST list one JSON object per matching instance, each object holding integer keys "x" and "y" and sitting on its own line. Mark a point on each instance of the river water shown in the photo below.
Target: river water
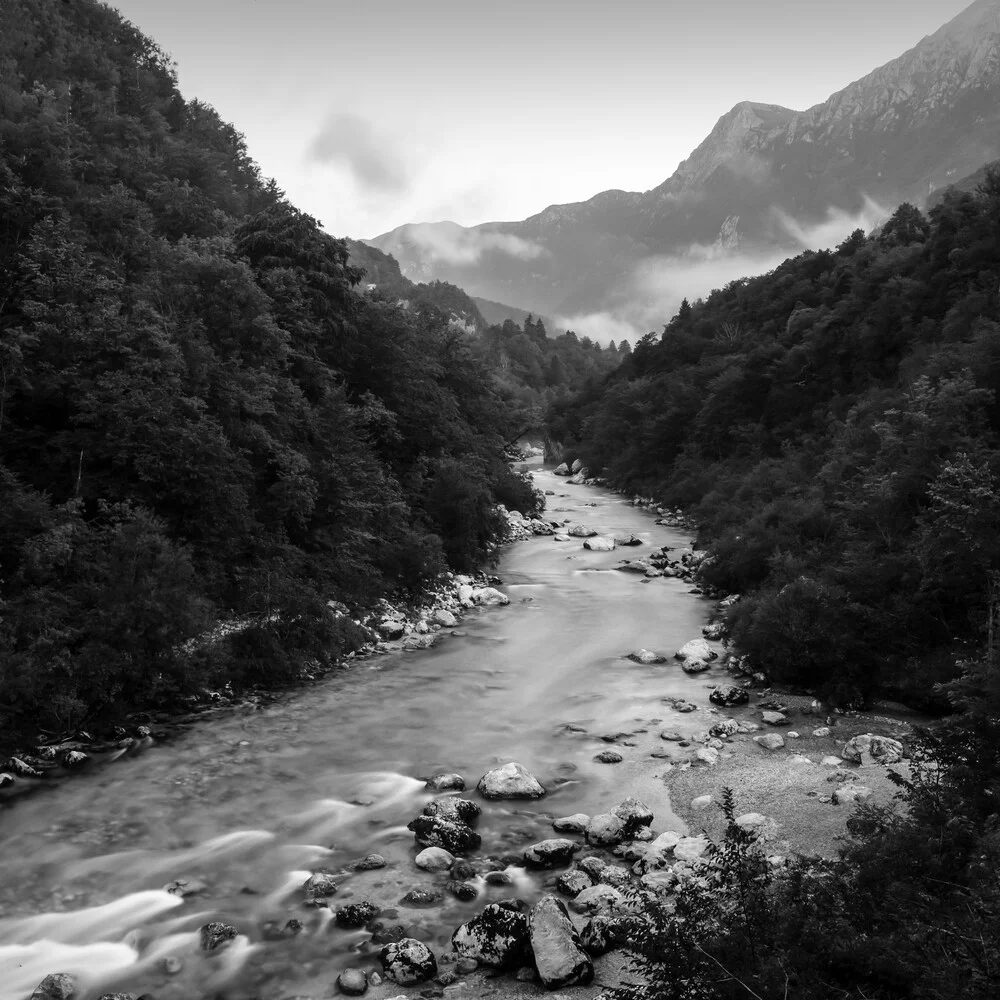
{"x": 250, "y": 802}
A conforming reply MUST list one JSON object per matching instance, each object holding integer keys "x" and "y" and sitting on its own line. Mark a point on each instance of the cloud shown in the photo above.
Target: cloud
{"x": 652, "y": 292}
{"x": 452, "y": 244}
{"x": 374, "y": 160}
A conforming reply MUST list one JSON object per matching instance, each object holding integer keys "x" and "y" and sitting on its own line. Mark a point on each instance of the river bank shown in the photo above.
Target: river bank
{"x": 242, "y": 807}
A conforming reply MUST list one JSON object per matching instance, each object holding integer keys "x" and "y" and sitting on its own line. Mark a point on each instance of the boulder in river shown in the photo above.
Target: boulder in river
{"x": 74, "y": 758}
{"x": 599, "y": 898}
{"x": 573, "y": 883}
{"x": 14, "y": 765}
{"x": 421, "y": 898}
{"x": 562, "y": 469}
{"x": 510, "y": 781}
{"x": 434, "y": 859}
{"x": 499, "y": 937}
{"x": 392, "y": 628}
{"x": 880, "y": 749}
{"x": 353, "y": 982}
{"x": 633, "y": 566}
{"x": 450, "y": 807}
{"x": 550, "y": 853}
{"x": 444, "y": 617}
{"x": 446, "y": 783}
{"x": 215, "y": 934}
{"x": 490, "y": 597}
{"x": 319, "y": 885}
{"x": 559, "y": 955}
{"x": 599, "y": 544}
{"x": 628, "y": 539}
{"x": 369, "y": 863}
{"x": 609, "y": 757}
{"x": 420, "y": 641}
{"x": 439, "y": 831}
{"x": 408, "y": 962}
{"x": 576, "y": 466}
{"x": 580, "y": 531}
{"x": 692, "y": 665}
{"x": 55, "y": 986}
{"x": 576, "y": 823}
{"x": 696, "y": 649}
{"x": 465, "y": 593}
{"x": 357, "y": 914}
{"x": 606, "y": 829}
{"x": 727, "y": 695}
{"x": 646, "y": 656}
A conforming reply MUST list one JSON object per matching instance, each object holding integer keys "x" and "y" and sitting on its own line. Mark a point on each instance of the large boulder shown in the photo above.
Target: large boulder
{"x": 434, "y": 859}
{"x": 559, "y": 955}
{"x": 511, "y": 781}
{"x": 439, "y": 831}
{"x": 392, "y": 629}
{"x": 499, "y": 937}
{"x": 696, "y": 649}
{"x": 880, "y": 749}
{"x": 579, "y": 478}
{"x": 576, "y": 823}
{"x": 727, "y": 695}
{"x": 634, "y": 814}
{"x": 550, "y": 853}
{"x": 576, "y": 466}
{"x": 489, "y": 597}
{"x": 408, "y": 961}
{"x": 606, "y": 830}
{"x": 600, "y": 544}
{"x": 444, "y": 617}
{"x": 580, "y": 531}
{"x": 562, "y": 469}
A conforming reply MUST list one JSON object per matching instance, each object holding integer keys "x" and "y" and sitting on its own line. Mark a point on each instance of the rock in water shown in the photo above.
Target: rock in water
{"x": 647, "y": 656}
{"x": 439, "y": 831}
{"x": 511, "y": 781}
{"x": 696, "y": 649}
{"x": 489, "y": 597}
{"x": 606, "y": 829}
{"x": 55, "y": 986}
{"x": 559, "y": 956}
{"x": 573, "y": 883}
{"x": 444, "y": 617}
{"x": 408, "y": 961}
{"x": 774, "y": 718}
{"x": 694, "y": 666}
{"x": 881, "y": 749}
{"x": 356, "y": 914}
{"x": 446, "y": 783}
{"x": 319, "y": 885}
{"x": 434, "y": 859}
{"x": 727, "y": 695}
{"x": 463, "y": 810}
{"x": 216, "y": 934}
{"x": 609, "y": 757}
{"x": 499, "y": 937}
{"x": 561, "y": 470}
{"x": 599, "y": 544}
{"x": 580, "y": 531}
{"x": 550, "y": 853}
{"x": 353, "y": 982}
{"x": 627, "y": 540}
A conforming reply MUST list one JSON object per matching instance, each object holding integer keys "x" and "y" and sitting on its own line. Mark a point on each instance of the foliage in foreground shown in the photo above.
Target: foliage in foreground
{"x": 201, "y": 418}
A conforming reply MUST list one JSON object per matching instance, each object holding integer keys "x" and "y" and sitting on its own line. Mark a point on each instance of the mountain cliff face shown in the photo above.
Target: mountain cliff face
{"x": 764, "y": 181}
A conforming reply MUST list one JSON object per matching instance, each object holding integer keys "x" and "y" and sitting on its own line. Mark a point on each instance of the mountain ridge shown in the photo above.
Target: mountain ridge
{"x": 765, "y": 180}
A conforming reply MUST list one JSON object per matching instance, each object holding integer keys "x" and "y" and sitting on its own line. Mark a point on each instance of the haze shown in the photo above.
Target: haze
{"x": 370, "y": 116}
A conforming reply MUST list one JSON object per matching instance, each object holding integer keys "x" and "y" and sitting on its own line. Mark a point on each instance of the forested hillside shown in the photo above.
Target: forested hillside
{"x": 201, "y": 416}
{"x": 833, "y": 427}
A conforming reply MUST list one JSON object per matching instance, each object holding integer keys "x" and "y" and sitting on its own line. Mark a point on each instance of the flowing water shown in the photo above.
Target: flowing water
{"x": 250, "y": 802}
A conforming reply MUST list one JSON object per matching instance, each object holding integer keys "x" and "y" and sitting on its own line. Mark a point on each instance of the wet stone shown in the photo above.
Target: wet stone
{"x": 463, "y": 891}
{"x": 369, "y": 862}
{"x": 419, "y": 898}
{"x": 609, "y": 757}
{"x": 56, "y": 986}
{"x": 215, "y": 934}
{"x": 356, "y": 914}
{"x": 446, "y": 783}
{"x": 352, "y": 982}
{"x": 319, "y": 885}
{"x": 408, "y": 962}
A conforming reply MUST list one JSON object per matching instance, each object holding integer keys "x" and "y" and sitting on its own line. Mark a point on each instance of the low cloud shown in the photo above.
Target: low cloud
{"x": 452, "y": 244}
{"x": 373, "y": 160}
{"x": 652, "y": 293}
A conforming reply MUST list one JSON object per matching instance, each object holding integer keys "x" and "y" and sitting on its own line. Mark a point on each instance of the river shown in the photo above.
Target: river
{"x": 251, "y": 801}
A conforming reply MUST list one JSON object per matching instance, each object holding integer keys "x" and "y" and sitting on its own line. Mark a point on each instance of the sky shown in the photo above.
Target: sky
{"x": 372, "y": 115}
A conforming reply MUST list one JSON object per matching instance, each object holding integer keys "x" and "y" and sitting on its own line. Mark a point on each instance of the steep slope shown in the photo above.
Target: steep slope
{"x": 766, "y": 180}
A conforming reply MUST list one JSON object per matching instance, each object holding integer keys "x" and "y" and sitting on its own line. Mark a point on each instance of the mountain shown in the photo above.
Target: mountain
{"x": 765, "y": 182}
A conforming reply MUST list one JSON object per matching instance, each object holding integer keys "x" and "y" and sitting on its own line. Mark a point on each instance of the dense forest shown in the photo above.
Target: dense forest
{"x": 203, "y": 417}
{"x": 832, "y": 425}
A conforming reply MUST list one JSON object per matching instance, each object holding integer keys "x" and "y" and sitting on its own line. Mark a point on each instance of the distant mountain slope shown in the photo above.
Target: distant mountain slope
{"x": 497, "y": 312}
{"x": 767, "y": 180}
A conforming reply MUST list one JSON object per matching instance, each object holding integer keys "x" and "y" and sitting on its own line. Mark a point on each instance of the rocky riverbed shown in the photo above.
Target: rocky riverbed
{"x": 362, "y": 831}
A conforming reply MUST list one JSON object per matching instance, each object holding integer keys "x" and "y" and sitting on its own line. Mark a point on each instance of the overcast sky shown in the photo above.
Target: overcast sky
{"x": 370, "y": 115}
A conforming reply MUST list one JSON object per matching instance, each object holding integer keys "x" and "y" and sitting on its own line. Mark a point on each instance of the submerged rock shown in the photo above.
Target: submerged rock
{"x": 499, "y": 937}
{"x": 408, "y": 961}
{"x": 216, "y": 934}
{"x": 511, "y": 781}
{"x": 369, "y": 863}
{"x": 353, "y": 982}
{"x": 559, "y": 955}
{"x": 609, "y": 757}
